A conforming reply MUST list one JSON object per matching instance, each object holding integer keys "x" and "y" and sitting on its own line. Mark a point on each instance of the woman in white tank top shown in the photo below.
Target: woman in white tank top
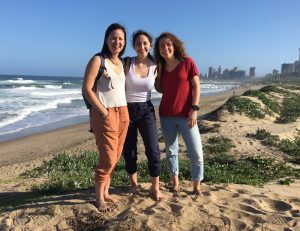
{"x": 109, "y": 115}
{"x": 140, "y": 78}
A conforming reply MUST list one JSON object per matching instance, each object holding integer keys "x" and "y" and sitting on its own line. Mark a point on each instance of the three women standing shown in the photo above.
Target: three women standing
{"x": 178, "y": 80}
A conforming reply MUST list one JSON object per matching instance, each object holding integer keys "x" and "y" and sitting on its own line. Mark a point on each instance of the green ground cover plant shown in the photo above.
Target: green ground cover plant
{"x": 265, "y": 137}
{"x": 66, "y": 173}
{"x": 203, "y": 128}
{"x": 269, "y": 89}
{"x": 244, "y": 105}
{"x": 218, "y": 144}
{"x": 271, "y": 104}
{"x": 290, "y": 110}
{"x": 288, "y": 146}
{"x": 290, "y": 107}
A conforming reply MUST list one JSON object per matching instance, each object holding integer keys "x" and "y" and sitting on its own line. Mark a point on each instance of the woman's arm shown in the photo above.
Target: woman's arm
{"x": 195, "y": 100}
{"x": 196, "y": 89}
{"x": 157, "y": 83}
{"x": 127, "y": 62}
{"x": 90, "y": 75}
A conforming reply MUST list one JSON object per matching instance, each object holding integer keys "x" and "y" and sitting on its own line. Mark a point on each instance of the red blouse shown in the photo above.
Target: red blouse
{"x": 177, "y": 89}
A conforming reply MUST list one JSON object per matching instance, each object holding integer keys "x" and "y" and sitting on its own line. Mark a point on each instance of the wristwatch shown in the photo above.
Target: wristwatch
{"x": 195, "y": 107}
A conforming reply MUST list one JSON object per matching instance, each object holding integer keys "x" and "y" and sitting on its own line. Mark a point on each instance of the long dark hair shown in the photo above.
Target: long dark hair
{"x": 136, "y": 34}
{"x": 105, "y": 50}
{"x": 179, "y": 50}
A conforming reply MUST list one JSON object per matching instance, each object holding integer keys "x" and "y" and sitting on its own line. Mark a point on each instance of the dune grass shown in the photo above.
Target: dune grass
{"x": 69, "y": 172}
{"x": 245, "y": 105}
{"x": 288, "y": 146}
{"x": 288, "y": 110}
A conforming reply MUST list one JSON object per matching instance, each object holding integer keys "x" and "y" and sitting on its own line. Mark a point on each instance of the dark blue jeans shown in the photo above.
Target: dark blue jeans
{"x": 142, "y": 119}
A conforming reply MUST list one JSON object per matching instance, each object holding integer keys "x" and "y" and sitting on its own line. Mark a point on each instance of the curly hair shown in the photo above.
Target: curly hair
{"x": 179, "y": 50}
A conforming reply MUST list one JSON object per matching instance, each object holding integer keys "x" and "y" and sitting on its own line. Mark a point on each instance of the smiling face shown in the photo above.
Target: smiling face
{"x": 166, "y": 48}
{"x": 142, "y": 45}
{"x": 116, "y": 41}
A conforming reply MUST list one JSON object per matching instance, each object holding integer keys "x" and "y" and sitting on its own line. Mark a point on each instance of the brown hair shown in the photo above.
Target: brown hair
{"x": 137, "y": 33}
{"x": 179, "y": 50}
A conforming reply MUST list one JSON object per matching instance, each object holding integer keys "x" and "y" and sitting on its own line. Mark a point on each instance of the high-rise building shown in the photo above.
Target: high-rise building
{"x": 252, "y": 71}
{"x": 275, "y": 72}
{"x": 287, "y": 68}
{"x": 210, "y": 72}
{"x": 297, "y": 66}
{"x": 220, "y": 71}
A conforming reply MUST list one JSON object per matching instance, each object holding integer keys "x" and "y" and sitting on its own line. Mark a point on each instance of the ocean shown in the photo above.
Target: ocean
{"x": 32, "y": 104}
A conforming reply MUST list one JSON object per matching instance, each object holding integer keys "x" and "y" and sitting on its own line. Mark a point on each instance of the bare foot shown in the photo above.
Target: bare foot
{"x": 176, "y": 188}
{"x": 134, "y": 189}
{"x": 158, "y": 196}
{"x": 102, "y": 207}
{"x": 109, "y": 198}
{"x": 197, "y": 192}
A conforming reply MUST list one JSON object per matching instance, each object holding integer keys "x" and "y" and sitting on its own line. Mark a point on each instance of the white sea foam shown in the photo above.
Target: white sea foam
{"x": 53, "y": 86}
{"x": 56, "y": 93}
{"x": 25, "y": 112}
{"x": 66, "y": 83}
{"x": 25, "y": 88}
{"x": 17, "y": 81}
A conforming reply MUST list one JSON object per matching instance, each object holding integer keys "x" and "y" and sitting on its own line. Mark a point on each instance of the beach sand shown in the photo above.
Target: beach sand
{"x": 221, "y": 207}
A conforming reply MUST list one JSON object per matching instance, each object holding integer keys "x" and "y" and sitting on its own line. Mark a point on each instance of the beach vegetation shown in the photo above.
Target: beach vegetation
{"x": 275, "y": 89}
{"x": 204, "y": 128}
{"x": 288, "y": 146}
{"x": 253, "y": 170}
{"x": 217, "y": 145}
{"x": 66, "y": 172}
{"x": 286, "y": 181}
{"x": 265, "y": 137}
{"x": 219, "y": 168}
{"x": 245, "y": 105}
{"x": 291, "y": 147}
{"x": 293, "y": 87}
{"x": 271, "y": 104}
{"x": 290, "y": 110}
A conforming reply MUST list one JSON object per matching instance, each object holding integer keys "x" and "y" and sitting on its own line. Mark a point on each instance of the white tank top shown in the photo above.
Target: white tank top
{"x": 111, "y": 91}
{"x": 139, "y": 89}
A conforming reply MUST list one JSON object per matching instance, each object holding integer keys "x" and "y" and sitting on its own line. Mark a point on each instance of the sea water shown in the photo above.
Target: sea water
{"x": 31, "y": 104}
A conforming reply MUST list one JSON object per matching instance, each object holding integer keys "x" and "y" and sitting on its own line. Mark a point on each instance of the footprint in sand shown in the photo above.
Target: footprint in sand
{"x": 250, "y": 209}
{"x": 276, "y": 219}
{"x": 280, "y": 206}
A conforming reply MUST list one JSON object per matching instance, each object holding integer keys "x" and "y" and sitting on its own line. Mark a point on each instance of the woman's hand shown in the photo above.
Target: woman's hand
{"x": 192, "y": 118}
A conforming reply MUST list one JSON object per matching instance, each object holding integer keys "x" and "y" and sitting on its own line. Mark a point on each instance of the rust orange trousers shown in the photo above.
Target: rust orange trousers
{"x": 110, "y": 133}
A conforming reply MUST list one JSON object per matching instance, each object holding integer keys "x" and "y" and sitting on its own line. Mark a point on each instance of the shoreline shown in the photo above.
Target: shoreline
{"x": 46, "y": 143}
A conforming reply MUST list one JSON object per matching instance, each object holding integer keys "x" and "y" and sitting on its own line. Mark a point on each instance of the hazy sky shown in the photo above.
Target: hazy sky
{"x": 58, "y": 37}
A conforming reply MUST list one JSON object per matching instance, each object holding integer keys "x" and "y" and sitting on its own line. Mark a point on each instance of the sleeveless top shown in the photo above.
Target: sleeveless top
{"x": 111, "y": 90}
{"x": 139, "y": 89}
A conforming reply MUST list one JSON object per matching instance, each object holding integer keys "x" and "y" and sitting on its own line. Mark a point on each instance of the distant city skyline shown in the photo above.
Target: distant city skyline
{"x": 57, "y": 38}
{"x": 286, "y": 68}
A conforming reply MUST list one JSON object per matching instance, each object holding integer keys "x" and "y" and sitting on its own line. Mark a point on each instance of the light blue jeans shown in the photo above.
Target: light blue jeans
{"x": 171, "y": 126}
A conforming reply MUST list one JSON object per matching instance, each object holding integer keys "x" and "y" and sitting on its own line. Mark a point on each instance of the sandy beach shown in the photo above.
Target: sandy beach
{"x": 221, "y": 207}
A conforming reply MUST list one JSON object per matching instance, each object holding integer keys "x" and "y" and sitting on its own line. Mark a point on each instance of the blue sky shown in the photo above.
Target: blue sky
{"x": 58, "y": 37}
